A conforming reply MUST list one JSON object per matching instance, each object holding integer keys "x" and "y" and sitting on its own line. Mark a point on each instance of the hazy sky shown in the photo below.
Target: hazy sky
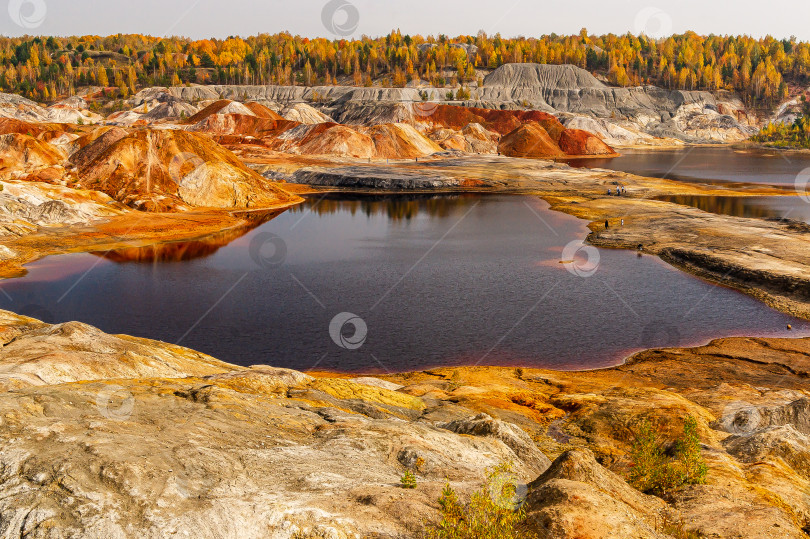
{"x": 337, "y": 18}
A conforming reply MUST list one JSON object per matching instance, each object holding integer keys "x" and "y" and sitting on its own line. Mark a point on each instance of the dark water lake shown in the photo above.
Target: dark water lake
{"x": 725, "y": 166}
{"x": 787, "y": 207}
{"x": 396, "y": 283}
{"x": 709, "y": 164}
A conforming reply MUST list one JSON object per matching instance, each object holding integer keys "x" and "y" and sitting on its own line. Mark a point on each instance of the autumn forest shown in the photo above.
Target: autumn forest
{"x": 762, "y": 71}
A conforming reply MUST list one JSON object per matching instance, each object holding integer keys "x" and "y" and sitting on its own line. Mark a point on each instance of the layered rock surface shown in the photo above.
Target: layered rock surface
{"x": 422, "y": 130}
{"x": 113, "y": 436}
{"x": 99, "y": 425}
{"x": 25, "y": 206}
{"x": 72, "y": 110}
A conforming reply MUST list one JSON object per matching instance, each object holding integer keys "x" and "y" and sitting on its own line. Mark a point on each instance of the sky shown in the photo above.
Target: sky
{"x": 352, "y": 18}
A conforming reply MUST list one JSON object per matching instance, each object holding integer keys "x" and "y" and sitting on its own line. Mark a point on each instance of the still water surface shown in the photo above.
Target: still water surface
{"x": 793, "y": 208}
{"x": 446, "y": 280}
{"x": 725, "y": 166}
{"x": 714, "y": 164}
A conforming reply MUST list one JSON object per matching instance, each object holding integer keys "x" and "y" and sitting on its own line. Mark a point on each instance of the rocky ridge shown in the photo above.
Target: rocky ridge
{"x": 566, "y": 91}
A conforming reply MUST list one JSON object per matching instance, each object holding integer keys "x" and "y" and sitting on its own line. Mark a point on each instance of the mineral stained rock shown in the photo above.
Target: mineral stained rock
{"x": 112, "y": 436}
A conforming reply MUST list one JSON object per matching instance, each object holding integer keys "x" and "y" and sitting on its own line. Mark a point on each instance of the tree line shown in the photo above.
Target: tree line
{"x": 761, "y": 70}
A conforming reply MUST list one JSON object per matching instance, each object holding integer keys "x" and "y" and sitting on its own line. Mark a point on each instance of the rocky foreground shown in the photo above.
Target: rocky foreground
{"x": 115, "y": 436}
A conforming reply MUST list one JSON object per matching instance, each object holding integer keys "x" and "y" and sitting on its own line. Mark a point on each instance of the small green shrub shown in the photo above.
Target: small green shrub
{"x": 408, "y": 480}
{"x": 492, "y": 512}
{"x": 653, "y": 472}
{"x": 647, "y": 458}
{"x": 690, "y": 458}
{"x": 675, "y": 528}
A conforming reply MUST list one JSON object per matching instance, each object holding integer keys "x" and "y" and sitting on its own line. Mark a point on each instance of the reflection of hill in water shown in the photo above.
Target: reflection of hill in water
{"x": 394, "y": 207}
{"x": 724, "y": 205}
{"x": 178, "y": 251}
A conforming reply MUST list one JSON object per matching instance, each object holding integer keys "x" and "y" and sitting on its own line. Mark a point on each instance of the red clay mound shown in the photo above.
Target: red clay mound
{"x": 213, "y": 108}
{"x": 103, "y": 137}
{"x": 579, "y": 142}
{"x": 241, "y": 124}
{"x": 11, "y": 125}
{"x": 529, "y": 140}
{"x": 335, "y": 139}
{"x": 397, "y": 141}
{"x": 400, "y": 141}
{"x": 227, "y": 107}
{"x": 327, "y": 138}
{"x": 263, "y": 112}
{"x": 226, "y": 117}
{"x": 23, "y": 153}
{"x": 500, "y": 121}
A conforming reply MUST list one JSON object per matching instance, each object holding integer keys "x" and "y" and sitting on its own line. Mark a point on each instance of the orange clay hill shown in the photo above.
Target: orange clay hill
{"x": 26, "y": 155}
{"x": 533, "y": 140}
{"x": 529, "y": 140}
{"x": 525, "y": 133}
{"x": 42, "y": 131}
{"x": 169, "y": 170}
{"x": 225, "y": 117}
{"x": 579, "y": 142}
{"x": 232, "y": 122}
{"x": 499, "y": 121}
{"x": 394, "y": 141}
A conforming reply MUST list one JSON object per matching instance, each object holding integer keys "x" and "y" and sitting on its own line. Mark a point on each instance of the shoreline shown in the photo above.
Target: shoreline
{"x": 576, "y": 192}
{"x": 130, "y": 230}
{"x": 745, "y": 145}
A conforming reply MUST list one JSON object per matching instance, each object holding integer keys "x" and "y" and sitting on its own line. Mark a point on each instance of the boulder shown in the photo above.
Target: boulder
{"x": 513, "y": 436}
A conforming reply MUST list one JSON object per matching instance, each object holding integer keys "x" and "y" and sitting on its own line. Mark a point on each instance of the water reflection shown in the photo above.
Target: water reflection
{"x": 781, "y": 207}
{"x": 395, "y": 208}
{"x": 708, "y": 165}
{"x": 178, "y": 251}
